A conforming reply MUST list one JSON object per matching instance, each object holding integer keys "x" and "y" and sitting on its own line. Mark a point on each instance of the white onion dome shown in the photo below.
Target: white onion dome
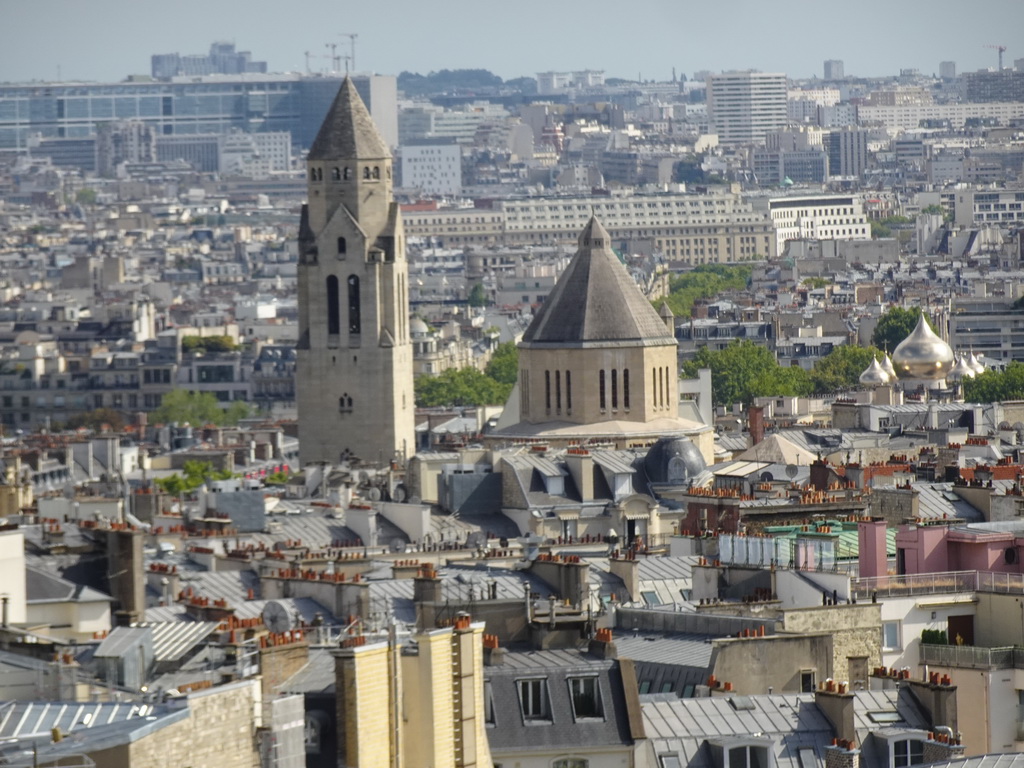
{"x": 961, "y": 370}
{"x": 887, "y": 367}
{"x": 975, "y": 363}
{"x": 875, "y": 375}
{"x": 922, "y": 355}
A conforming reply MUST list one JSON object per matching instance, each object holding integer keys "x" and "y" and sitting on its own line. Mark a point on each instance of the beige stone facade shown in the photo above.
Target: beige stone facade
{"x": 354, "y": 381}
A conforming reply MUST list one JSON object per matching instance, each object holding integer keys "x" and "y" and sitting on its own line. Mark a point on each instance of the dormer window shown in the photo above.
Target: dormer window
{"x": 585, "y": 693}
{"x": 907, "y": 752}
{"x": 749, "y": 756}
{"x": 533, "y": 699}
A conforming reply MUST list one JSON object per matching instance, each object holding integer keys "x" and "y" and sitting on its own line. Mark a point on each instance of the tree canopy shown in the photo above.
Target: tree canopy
{"x": 477, "y": 296}
{"x": 705, "y": 282}
{"x": 894, "y": 326}
{"x": 96, "y": 418}
{"x": 841, "y": 368}
{"x": 207, "y": 344}
{"x": 995, "y": 386}
{"x": 197, "y": 408}
{"x": 744, "y": 370}
{"x": 504, "y": 364}
{"x": 447, "y": 80}
{"x": 194, "y": 474}
{"x": 462, "y": 386}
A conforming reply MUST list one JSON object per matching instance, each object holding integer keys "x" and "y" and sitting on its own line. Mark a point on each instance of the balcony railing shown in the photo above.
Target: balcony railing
{"x": 972, "y": 657}
{"x": 916, "y": 584}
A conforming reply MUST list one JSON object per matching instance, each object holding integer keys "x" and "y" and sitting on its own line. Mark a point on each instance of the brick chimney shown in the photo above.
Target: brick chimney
{"x": 602, "y": 646}
{"x": 842, "y": 754}
{"x": 755, "y": 424}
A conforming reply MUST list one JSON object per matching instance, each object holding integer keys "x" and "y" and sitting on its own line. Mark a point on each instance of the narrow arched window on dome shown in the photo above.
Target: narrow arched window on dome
{"x": 547, "y": 391}
{"x": 625, "y": 388}
{"x": 615, "y": 389}
{"x": 568, "y": 392}
{"x": 558, "y": 391}
{"x": 600, "y": 388}
{"x": 654, "y": 386}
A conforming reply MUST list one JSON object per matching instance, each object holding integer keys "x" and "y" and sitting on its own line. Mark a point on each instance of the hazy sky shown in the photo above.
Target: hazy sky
{"x": 108, "y": 39}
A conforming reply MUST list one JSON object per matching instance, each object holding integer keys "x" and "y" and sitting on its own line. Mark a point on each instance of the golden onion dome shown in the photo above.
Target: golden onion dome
{"x": 961, "y": 370}
{"x": 875, "y": 375}
{"x": 922, "y": 355}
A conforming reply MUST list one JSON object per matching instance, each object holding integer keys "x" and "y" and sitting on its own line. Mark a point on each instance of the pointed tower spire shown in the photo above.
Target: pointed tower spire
{"x": 348, "y": 130}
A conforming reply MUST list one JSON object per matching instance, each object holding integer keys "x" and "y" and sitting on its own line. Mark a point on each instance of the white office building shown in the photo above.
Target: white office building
{"x": 432, "y": 169}
{"x": 819, "y": 217}
{"x": 744, "y": 106}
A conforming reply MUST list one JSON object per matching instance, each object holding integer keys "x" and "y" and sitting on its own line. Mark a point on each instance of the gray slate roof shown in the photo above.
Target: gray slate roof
{"x": 348, "y": 131}
{"x": 595, "y": 300}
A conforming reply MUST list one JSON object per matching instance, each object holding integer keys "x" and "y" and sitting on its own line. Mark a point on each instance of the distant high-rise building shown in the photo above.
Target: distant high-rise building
{"x": 744, "y": 106}
{"x": 834, "y": 69}
{"x": 434, "y": 167}
{"x": 947, "y": 70}
{"x": 223, "y": 59}
{"x": 847, "y": 151}
{"x": 1005, "y": 85}
{"x": 123, "y": 141}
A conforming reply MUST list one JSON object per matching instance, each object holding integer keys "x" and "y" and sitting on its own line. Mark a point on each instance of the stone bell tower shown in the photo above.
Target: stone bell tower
{"x": 354, "y": 378}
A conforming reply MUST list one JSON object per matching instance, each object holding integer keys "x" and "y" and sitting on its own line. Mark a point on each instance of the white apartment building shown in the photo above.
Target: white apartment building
{"x": 1002, "y": 207}
{"x": 908, "y": 117}
{"x": 820, "y": 217}
{"x": 686, "y": 229}
{"x": 256, "y": 155}
{"x": 433, "y": 169}
{"x": 744, "y": 106}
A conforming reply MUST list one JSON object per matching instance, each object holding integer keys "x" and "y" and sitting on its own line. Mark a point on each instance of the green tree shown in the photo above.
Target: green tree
{"x": 705, "y": 282}
{"x": 816, "y": 282}
{"x": 744, "y": 370}
{"x": 996, "y": 386}
{"x": 86, "y": 196}
{"x": 894, "y": 326}
{"x": 207, "y": 344}
{"x": 478, "y": 296}
{"x": 504, "y": 364}
{"x": 197, "y": 408}
{"x": 463, "y": 386}
{"x": 841, "y": 368}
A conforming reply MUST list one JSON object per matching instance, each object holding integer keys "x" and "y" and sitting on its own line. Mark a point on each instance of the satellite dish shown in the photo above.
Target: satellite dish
{"x": 397, "y": 545}
{"x": 791, "y": 471}
{"x": 276, "y": 617}
{"x": 373, "y": 494}
{"x": 401, "y": 493}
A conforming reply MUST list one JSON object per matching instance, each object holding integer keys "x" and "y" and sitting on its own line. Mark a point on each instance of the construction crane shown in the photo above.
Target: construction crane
{"x": 352, "y": 48}
{"x": 1001, "y": 49}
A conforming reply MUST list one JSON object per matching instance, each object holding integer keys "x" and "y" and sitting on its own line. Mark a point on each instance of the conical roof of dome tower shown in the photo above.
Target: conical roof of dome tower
{"x": 596, "y": 300}
{"x": 348, "y": 131}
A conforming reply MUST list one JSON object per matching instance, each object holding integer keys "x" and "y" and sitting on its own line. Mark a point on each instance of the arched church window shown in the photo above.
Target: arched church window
{"x": 654, "y": 386}
{"x": 558, "y": 391}
{"x": 376, "y": 172}
{"x": 312, "y": 174}
{"x": 346, "y": 174}
{"x": 336, "y": 174}
{"x": 615, "y": 389}
{"x": 366, "y": 172}
{"x": 625, "y": 388}
{"x": 568, "y": 391}
{"x": 547, "y": 390}
{"x": 354, "y": 311}
{"x": 600, "y": 390}
{"x": 319, "y": 174}
{"x": 342, "y": 246}
{"x": 333, "y": 306}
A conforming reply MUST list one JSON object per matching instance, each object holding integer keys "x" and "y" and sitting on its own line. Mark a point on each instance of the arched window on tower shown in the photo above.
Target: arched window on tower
{"x": 568, "y": 391}
{"x": 558, "y": 391}
{"x": 333, "y": 306}
{"x": 366, "y": 172}
{"x": 615, "y": 389}
{"x": 376, "y": 172}
{"x": 354, "y": 312}
{"x": 625, "y": 388}
{"x": 600, "y": 390}
{"x": 319, "y": 174}
{"x": 312, "y": 174}
{"x": 547, "y": 391}
{"x": 336, "y": 174}
{"x": 347, "y": 173}
{"x": 342, "y": 246}
{"x": 654, "y": 386}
